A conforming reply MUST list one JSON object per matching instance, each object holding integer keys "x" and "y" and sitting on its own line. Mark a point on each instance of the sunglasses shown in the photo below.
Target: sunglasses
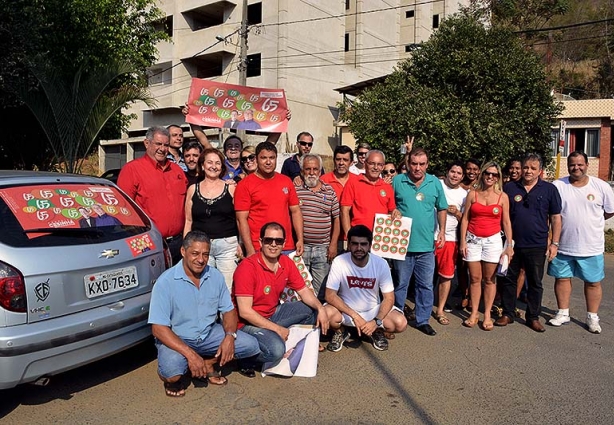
{"x": 310, "y": 144}
{"x": 248, "y": 158}
{"x": 391, "y": 171}
{"x": 489, "y": 174}
{"x": 269, "y": 241}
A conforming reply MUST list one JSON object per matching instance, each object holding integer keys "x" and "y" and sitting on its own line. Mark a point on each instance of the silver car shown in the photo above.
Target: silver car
{"x": 78, "y": 260}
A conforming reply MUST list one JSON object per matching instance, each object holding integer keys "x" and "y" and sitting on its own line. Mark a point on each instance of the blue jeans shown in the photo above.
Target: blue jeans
{"x": 223, "y": 256}
{"x": 171, "y": 363}
{"x": 272, "y": 347}
{"x": 315, "y": 259}
{"x": 422, "y": 266}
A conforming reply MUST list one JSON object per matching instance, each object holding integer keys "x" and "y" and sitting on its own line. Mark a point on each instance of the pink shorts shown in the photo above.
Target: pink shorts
{"x": 445, "y": 258}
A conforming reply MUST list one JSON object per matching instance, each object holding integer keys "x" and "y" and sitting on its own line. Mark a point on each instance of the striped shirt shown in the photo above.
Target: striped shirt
{"x": 319, "y": 209}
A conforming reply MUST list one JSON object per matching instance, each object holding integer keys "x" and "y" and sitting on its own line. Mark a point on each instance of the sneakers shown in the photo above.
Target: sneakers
{"x": 561, "y": 319}
{"x": 593, "y": 325}
{"x": 379, "y": 340}
{"x": 339, "y": 337}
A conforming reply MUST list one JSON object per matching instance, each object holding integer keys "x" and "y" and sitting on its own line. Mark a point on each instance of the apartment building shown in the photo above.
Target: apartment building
{"x": 306, "y": 47}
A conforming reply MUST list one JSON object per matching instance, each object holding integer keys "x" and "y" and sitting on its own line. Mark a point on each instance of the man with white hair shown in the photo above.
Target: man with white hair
{"x": 321, "y": 227}
{"x": 368, "y": 195}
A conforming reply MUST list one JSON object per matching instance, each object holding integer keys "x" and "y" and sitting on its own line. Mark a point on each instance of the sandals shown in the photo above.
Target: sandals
{"x": 389, "y": 335}
{"x": 468, "y": 323}
{"x": 216, "y": 378}
{"x": 488, "y": 326}
{"x": 442, "y": 319}
{"x": 174, "y": 389}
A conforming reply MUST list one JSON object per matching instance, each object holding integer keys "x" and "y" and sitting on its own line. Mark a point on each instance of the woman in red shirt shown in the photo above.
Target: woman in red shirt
{"x": 486, "y": 212}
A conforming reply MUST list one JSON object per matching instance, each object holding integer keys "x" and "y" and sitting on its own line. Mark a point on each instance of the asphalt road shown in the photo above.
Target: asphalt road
{"x": 511, "y": 375}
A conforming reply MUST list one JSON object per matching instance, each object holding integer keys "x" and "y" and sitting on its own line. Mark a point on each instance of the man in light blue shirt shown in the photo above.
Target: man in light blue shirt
{"x": 420, "y": 196}
{"x": 184, "y": 305}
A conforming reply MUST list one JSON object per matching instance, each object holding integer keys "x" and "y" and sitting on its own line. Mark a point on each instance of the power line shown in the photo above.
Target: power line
{"x": 364, "y": 12}
{"x": 570, "y": 39}
{"x": 561, "y": 27}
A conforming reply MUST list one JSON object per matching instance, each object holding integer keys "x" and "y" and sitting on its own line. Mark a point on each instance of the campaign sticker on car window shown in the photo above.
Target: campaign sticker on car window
{"x": 54, "y": 206}
{"x": 140, "y": 244}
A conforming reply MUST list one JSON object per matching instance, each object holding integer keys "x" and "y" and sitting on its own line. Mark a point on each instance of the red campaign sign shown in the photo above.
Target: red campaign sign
{"x": 221, "y": 105}
{"x": 69, "y": 206}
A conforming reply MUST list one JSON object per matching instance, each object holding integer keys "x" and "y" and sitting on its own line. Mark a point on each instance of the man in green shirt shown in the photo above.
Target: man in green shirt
{"x": 419, "y": 196}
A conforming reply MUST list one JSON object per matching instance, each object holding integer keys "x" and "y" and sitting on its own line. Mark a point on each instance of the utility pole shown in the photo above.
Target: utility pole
{"x": 243, "y": 53}
{"x": 243, "y": 56}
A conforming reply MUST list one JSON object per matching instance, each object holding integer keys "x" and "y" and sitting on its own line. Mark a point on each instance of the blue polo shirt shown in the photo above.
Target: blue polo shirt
{"x": 292, "y": 167}
{"x": 231, "y": 172}
{"x": 421, "y": 205}
{"x": 529, "y": 213}
{"x": 190, "y": 312}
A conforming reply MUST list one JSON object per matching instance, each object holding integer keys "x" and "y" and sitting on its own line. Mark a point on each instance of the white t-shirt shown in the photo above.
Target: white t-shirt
{"x": 355, "y": 170}
{"x": 457, "y": 198}
{"x": 582, "y": 216}
{"x": 359, "y": 287}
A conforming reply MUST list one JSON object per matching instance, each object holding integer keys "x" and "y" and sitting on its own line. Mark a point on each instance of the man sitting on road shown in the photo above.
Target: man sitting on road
{"x": 185, "y": 302}
{"x": 352, "y": 293}
{"x": 258, "y": 283}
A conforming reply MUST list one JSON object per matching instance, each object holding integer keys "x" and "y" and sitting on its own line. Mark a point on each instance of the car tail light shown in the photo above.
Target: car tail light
{"x": 168, "y": 259}
{"x": 12, "y": 289}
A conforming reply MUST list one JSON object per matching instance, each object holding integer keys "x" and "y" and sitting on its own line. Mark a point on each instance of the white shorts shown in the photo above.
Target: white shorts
{"x": 367, "y": 315}
{"x": 484, "y": 249}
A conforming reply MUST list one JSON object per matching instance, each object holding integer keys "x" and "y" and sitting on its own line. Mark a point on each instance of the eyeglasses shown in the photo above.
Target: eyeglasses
{"x": 391, "y": 171}
{"x": 376, "y": 164}
{"x": 248, "y": 158}
{"x": 361, "y": 153}
{"x": 489, "y": 174}
{"x": 269, "y": 241}
{"x": 309, "y": 144}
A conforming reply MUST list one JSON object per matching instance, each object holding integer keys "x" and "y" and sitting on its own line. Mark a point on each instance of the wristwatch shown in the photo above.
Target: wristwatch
{"x": 232, "y": 334}
{"x": 555, "y": 244}
{"x": 379, "y": 322}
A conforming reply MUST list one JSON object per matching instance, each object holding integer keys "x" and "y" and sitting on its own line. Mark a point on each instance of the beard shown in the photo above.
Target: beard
{"x": 311, "y": 181}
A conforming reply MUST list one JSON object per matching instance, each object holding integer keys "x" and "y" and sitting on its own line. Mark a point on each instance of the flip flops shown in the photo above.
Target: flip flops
{"x": 174, "y": 389}
{"x": 442, "y": 319}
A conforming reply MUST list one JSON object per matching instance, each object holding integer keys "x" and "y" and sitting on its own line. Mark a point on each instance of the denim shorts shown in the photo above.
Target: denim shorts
{"x": 589, "y": 269}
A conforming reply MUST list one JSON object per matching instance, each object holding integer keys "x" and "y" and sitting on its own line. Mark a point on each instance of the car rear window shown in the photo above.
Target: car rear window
{"x": 67, "y": 214}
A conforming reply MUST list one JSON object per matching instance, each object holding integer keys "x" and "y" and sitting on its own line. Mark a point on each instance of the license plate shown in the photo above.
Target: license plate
{"x": 107, "y": 282}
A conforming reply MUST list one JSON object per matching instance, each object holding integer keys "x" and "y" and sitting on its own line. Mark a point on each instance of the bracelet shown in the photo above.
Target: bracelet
{"x": 555, "y": 244}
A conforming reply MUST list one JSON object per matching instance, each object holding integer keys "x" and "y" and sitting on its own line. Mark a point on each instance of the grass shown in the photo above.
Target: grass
{"x": 609, "y": 241}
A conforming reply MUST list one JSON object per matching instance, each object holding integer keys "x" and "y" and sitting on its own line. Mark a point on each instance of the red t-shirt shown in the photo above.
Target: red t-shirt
{"x": 367, "y": 199}
{"x": 254, "y": 279}
{"x": 266, "y": 200}
{"x": 159, "y": 191}
{"x": 330, "y": 179}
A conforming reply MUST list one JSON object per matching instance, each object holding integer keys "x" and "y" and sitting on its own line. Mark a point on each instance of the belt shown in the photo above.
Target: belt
{"x": 172, "y": 238}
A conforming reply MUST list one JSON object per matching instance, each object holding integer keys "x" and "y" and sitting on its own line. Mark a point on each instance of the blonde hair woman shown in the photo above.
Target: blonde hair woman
{"x": 486, "y": 213}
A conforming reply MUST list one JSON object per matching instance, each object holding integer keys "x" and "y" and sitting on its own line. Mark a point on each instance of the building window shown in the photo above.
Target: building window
{"x": 254, "y": 65}
{"x": 409, "y": 14}
{"x": 587, "y": 141}
{"x": 435, "y": 21}
{"x": 346, "y": 47}
{"x": 554, "y": 143}
{"x": 254, "y": 14}
{"x": 160, "y": 74}
{"x": 165, "y": 25}
{"x": 347, "y": 4}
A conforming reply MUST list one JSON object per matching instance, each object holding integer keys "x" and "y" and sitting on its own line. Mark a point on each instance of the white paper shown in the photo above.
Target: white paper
{"x": 391, "y": 237}
{"x": 301, "y": 358}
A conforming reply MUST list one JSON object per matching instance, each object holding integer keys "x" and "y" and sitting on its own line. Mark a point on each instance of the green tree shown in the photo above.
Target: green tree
{"x": 469, "y": 91}
{"x": 73, "y": 110}
{"x": 70, "y": 36}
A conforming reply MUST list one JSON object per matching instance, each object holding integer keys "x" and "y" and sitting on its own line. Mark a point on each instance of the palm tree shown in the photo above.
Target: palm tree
{"x": 73, "y": 109}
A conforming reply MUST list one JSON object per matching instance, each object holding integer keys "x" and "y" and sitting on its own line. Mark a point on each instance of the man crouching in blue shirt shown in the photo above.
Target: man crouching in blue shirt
{"x": 185, "y": 302}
